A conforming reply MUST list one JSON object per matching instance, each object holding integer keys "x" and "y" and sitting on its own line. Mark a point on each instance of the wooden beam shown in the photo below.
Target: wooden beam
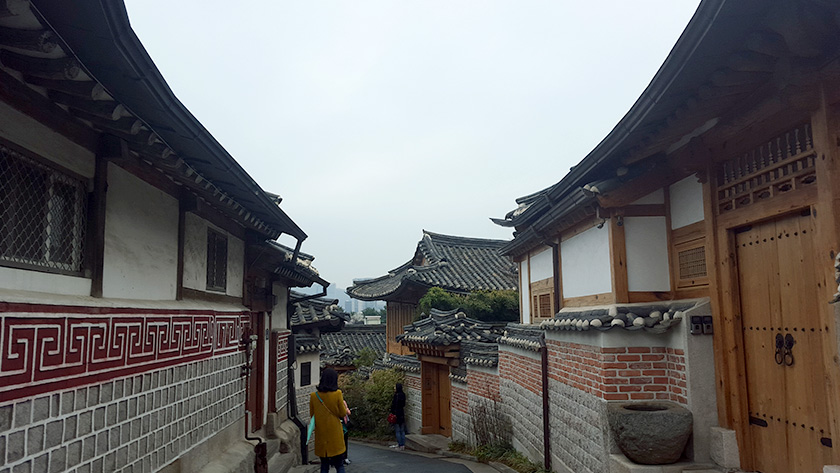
{"x": 618, "y": 259}
{"x": 767, "y": 43}
{"x": 13, "y": 7}
{"x": 107, "y": 109}
{"x": 85, "y": 89}
{"x": 751, "y": 61}
{"x": 124, "y": 125}
{"x": 594, "y": 299}
{"x": 645, "y": 210}
{"x": 109, "y": 147}
{"x": 42, "y": 41}
{"x": 826, "y": 134}
{"x": 48, "y": 68}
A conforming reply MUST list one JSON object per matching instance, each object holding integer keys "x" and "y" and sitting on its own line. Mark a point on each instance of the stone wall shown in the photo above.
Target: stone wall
{"x": 520, "y": 388}
{"x": 302, "y": 397}
{"x": 579, "y": 436}
{"x": 414, "y": 403}
{"x": 135, "y": 423}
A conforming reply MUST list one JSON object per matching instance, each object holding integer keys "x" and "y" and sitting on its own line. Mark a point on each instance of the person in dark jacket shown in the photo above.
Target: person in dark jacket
{"x": 398, "y": 409}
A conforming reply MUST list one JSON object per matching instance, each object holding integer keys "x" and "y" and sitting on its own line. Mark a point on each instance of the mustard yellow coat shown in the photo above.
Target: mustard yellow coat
{"x": 329, "y": 436}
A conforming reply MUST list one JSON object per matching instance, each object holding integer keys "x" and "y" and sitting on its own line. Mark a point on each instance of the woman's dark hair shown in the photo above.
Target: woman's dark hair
{"x": 399, "y": 387}
{"x": 329, "y": 381}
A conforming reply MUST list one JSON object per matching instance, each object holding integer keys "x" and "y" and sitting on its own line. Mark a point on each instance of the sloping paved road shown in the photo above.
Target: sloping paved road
{"x": 373, "y": 459}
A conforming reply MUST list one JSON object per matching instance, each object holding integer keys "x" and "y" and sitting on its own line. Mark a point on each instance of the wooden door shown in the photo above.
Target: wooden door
{"x": 431, "y": 401}
{"x": 444, "y": 397}
{"x": 786, "y": 395}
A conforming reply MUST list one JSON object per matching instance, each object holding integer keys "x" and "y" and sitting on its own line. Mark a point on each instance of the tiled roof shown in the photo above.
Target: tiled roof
{"x": 341, "y": 348}
{"x": 655, "y": 318}
{"x": 408, "y": 363}
{"x": 307, "y": 343}
{"x": 448, "y": 328}
{"x": 526, "y": 337}
{"x": 480, "y": 354}
{"x": 453, "y": 263}
{"x": 321, "y": 311}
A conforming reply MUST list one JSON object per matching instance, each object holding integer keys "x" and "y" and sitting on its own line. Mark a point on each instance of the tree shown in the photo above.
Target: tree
{"x": 370, "y": 311}
{"x": 487, "y": 306}
{"x": 364, "y": 357}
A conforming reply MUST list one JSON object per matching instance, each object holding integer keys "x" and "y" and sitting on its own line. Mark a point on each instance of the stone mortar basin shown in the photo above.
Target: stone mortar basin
{"x": 650, "y": 433}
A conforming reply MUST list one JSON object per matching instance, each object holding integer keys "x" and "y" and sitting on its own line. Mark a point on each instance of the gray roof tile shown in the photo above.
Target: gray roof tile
{"x": 443, "y": 328}
{"x": 654, "y": 318}
{"x": 341, "y": 348}
{"x": 457, "y": 264}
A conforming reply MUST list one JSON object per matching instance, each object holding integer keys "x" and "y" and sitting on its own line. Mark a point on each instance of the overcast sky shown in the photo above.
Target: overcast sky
{"x": 375, "y": 120}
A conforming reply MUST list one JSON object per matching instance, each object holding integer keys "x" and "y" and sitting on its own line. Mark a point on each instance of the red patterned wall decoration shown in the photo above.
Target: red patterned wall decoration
{"x": 283, "y": 345}
{"x": 47, "y": 348}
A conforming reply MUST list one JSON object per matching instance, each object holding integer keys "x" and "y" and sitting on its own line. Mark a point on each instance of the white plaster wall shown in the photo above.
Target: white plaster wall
{"x": 315, "y": 359}
{"x": 647, "y": 253}
{"x": 542, "y": 265}
{"x": 524, "y": 292}
{"x": 29, "y": 133}
{"x": 27, "y": 280}
{"x": 585, "y": 263}
{"x": 279, "y": 311}
{"x": 655, "y": 197}
{"x": 195, "y": 256}
{"x": 141, "y": 239}
{"x": 686, "y": 202}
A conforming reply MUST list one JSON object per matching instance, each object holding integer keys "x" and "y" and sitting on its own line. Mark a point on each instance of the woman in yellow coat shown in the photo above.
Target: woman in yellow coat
{"x": 327, "y": 405}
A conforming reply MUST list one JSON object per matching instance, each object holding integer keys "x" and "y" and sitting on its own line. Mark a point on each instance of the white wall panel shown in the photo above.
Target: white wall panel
{"x": 686, "y": 202}
{"x": 524, "y": 292}
{"x": 141, "y": 239}
{"x": 195, "y": 256}
{"x": 585, "y": 263}
{"x": 647, "y": 253}
{"x": 655, "y": 197}
{"x": 542, "y": 265}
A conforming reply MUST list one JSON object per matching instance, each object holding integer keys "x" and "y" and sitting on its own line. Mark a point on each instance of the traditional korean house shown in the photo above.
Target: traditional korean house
{"x": 341, "y": 349}
{"x": 457, "y": 264}
{"x": 143, "y": 301}
{"x": 714, "y": 202}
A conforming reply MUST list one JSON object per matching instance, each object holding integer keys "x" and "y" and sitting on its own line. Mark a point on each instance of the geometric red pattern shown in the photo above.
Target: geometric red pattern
{"x": 283, "y": 345}
{"x": 50, "y": 348}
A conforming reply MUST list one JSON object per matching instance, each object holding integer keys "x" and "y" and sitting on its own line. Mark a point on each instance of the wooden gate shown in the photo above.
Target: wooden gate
{"x": 779, "y": 297}
{"x": 437, "y": 417}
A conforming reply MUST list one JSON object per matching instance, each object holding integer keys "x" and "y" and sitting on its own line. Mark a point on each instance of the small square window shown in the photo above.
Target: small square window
{"x": 216, "y": 261}
{"x": 305, "y": 374}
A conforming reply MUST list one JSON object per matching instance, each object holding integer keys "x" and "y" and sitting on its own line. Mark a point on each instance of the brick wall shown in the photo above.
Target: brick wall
{"x": 461, "y": 426}
{"x": 520, "y": 388}
{"x": 483, "y": 382}
{"x": 413, "y": 402}
{"x": 620, "y": 374}
{"x": 136, "y": 423}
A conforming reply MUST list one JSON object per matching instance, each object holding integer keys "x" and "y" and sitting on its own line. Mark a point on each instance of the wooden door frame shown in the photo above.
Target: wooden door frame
{"x": 439, "y": 363}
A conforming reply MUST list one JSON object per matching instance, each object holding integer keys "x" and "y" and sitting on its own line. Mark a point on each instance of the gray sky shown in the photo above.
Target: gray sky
{"x": 376, "y": 119}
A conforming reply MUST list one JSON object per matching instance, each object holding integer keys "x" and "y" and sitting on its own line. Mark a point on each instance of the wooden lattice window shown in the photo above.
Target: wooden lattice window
{"x": 216, "y": 260}
{"x": 542, "y": 294}
{"x": 780, "y": 165}
{"x": 689, "y": 256}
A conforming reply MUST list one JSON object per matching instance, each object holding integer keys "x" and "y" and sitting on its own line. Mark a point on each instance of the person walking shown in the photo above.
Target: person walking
{"x": 398, "y": 409}
{"x": 327, "y": 405}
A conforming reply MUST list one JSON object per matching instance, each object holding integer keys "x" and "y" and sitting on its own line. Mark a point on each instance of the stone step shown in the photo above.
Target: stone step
{"x": 426, "y": 443}
{"x": 302, "y": 469}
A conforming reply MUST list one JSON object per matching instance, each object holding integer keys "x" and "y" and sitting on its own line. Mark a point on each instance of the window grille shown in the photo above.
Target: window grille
{"x": 216, "y": 261}
{"x": 42, "y": 215}
{"x": 692, "y": 263}
{"x": 305, "y": 374}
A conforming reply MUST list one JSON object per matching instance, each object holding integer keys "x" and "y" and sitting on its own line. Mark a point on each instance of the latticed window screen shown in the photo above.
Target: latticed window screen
{"x": 42, "y": 215}
{"x": 692, "y": 263}
{"x": 216, "y": 260}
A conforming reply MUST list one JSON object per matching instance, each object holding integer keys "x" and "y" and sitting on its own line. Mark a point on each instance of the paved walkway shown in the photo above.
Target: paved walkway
{"x": 366, "y": 458}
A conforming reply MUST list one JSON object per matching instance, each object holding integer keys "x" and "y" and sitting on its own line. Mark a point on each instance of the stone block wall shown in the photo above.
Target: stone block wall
{"x": 579, "y": 436}
{"x": 413, "y": 402}
{"x": 136, "y": 423}
{"x": 281, "y": 393}
{"x": 302, "y": 397}
{"x": 520, "y": 388}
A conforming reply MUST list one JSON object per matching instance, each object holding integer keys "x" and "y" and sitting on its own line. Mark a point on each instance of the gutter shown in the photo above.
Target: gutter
{"x": 291, "y": 406}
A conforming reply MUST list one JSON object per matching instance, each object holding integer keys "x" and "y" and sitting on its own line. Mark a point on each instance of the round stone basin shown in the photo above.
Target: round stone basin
{"x": 650, "y": 433}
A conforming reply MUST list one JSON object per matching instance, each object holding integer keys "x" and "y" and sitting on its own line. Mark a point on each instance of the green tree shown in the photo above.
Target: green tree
{"x": 382, "y": 315}
{"x": 364, "y": 357}
{"x": 487, "y": 306}
{"x": 370, "y": 311}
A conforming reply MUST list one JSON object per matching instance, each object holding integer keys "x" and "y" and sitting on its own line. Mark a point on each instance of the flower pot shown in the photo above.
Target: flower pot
{"x": 650, "y": 433}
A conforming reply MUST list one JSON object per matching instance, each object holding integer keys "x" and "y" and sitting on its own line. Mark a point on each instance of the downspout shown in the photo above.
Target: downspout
{"x": 322, "y": 283}
{"x": 290, "y": 387}
{"x": 545, "y": 402}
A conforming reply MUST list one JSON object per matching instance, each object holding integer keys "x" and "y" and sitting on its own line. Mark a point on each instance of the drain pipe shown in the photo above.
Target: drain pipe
{"x": 291, "y": 406}
{"x": 545, "y": 402}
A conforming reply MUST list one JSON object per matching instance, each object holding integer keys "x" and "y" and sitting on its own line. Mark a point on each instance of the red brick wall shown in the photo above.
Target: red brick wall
{"x": 413, "y": 382}
{"x": 523, "y": 370}
{"x": 483, "y": 384}
{"x": 620, "y": 374}
{"x": 460, "y": 401}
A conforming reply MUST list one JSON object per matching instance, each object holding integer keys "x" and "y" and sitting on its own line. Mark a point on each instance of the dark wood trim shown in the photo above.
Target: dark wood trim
{"x": 189, "y": 293}
{"x": 148, "y": 174}
{"x": 646, "y": 210}
{"x": 649, "y": 296}
{"x": 25, "y": 100}
{"x": 109, "y": 147}
{"x": 672, "y": 261}
{"x": 618, "y": 259}
{"x": 594, "y": 299}
{"x": 209, "y": 213}
{"x": 185, "y": 203}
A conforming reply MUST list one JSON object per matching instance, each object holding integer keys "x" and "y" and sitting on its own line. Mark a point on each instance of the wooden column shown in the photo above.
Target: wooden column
{"x": 825, "y": 124}
{"x": 618, "y": 258}
{"x": 108, "y": 148}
